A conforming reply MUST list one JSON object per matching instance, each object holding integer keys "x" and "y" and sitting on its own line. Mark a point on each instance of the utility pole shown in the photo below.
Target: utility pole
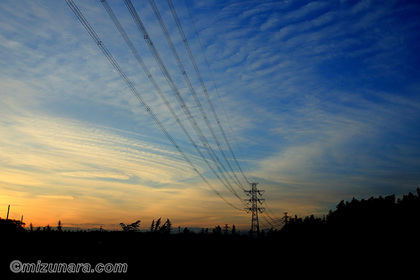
{"x": 226, "y": 227}
{"x": 254, "y": 201}
{"x": 8, "y": 209}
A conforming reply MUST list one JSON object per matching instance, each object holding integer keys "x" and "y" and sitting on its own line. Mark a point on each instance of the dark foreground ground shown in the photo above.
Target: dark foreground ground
{"x": 369, "y": 238}
{"x": 195, "y": 256}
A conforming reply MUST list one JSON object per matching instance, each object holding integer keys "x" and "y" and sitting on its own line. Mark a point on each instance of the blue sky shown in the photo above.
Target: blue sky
{"x": 323, "y": 98}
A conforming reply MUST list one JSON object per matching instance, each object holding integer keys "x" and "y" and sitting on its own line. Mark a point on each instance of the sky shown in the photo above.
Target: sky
{"x": 319, "y": 100}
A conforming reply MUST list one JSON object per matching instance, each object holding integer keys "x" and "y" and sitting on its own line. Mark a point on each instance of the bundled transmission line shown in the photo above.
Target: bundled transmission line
{"x": 190, "y": 86}
{"x": 222, "y": 169}
{"x": 203, "y": 86}
{"x": 137, "y": 94}
{"x": 218, "y": 93}
{"x": 178, "y": 95}
{"x": 156, "y": 86}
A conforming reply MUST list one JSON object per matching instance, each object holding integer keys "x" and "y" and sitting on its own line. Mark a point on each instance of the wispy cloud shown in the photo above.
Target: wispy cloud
{"x": 56, "y": 196}
{"x": 322, "y": 96}
{"x": 51, "y": 160}
{"x": 61, "y": 145}
{"x": 345, "y": 148}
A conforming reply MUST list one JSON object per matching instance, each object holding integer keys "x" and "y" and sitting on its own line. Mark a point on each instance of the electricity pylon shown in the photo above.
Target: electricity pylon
{"x": 254, "y": 201}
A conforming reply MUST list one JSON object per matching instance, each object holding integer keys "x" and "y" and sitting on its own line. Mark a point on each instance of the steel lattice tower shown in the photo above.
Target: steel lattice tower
{"x": 254, "y": 201}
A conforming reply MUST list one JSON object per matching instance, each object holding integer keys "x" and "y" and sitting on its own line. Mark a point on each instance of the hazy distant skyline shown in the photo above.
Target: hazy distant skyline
{"x": 323, "y": 98}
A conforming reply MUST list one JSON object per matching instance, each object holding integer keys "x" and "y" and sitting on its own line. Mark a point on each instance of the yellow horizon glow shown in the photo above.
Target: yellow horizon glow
{"x": 57, "y": 169}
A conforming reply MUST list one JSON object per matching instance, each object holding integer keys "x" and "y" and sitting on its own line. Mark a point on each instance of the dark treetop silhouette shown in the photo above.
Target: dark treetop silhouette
{"x": 379, "y": 227}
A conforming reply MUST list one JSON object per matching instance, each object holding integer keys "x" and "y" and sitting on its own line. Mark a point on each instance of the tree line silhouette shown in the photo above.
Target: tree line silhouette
{"x": 363, "y": 224}
{"x": 386, "y": 215}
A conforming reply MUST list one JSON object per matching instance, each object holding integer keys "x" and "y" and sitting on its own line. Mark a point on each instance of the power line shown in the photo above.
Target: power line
{"x": 254, "y": 200}
{"x": 155, "y": 84}
{"x": 192, "y": 90}
{"x": 218, "y": 93}
{"x": 178, "y": 96}
{"x": 136, "y": 93}
{"x": 274, "y": 220}
{"x": 203, "y": 86}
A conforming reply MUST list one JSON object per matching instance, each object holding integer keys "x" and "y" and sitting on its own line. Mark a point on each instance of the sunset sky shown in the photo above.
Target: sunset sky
{"x": 320, "y": 101}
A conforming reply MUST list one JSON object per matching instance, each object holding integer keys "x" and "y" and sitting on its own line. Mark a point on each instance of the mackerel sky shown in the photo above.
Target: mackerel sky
{"x": 320, "y": 101}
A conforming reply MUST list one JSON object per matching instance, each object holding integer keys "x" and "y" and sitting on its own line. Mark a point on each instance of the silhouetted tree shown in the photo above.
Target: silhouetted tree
{"x": 365, "y": 218}
{"x": 11, "y": 226}
{"x": 131, "y": 227}
{"x": 157, "y": 228}
{"x": 217, "y": 230}
{"x": 157, "y": 225}
{"x": 307, "y": 226}
{"x": 272, "y": 232}
{"x": 167, "y": 227}
{"x": 152, "y": 226}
